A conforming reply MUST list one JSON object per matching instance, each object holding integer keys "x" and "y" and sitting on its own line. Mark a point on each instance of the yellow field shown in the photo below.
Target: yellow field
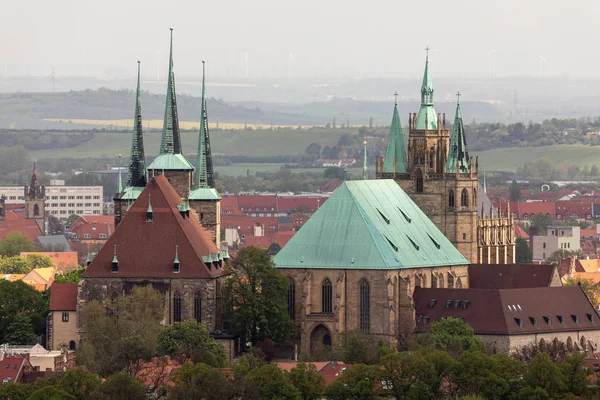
{"x": 158, "y": 124}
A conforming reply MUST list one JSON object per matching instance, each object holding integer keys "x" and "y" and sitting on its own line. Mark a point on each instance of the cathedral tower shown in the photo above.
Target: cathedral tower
{"x": 170, "y": 162}
{"x": 136, "y": 174}
{"x": 35, "y": 201}
{"x": 204, "y": 199}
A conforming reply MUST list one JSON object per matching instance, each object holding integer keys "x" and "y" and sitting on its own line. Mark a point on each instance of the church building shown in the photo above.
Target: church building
{"x": 440, "y": 176}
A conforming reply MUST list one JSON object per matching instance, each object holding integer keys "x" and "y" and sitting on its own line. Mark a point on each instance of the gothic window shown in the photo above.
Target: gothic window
{"x": 177, "y": 307}
{"x": 365, "y": 306}
{"x": 434, "y": 281}
{"x": 326, "y": 296}
{"x": 451, "y": 198}
{"x": 291, "y": 299}
{"x": 475, "y": 197}
{"x": 419, "y": 181}
{"x": 464, "y": 198}
{"x": 197, "y": 306}
{"x": 36, "y": 210}
{"x": 431, "y": 153}
{"x": 450, "y": 280}
{"x": 459, "y": 284}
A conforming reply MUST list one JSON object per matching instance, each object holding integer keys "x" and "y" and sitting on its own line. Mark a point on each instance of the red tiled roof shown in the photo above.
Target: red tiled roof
{"x": 62, "y": 261}
{"x": 290, "y": 204}
{"x": 573, "y": 209}
{"x": 147, "y": 249}
{"x": 510, "y": 276}
{"x": 282, "y": 237}
{"x": 63, "y": 297}
{"x": 15, "y": 222}
{"x": 93, "y": 226}
{"x": 245, "y": 224}
{"x": 12, "y": 368}
{"x": 530, "y": 208}
{"x": 251, "y": 202}
{"x": 332, "y": 370}
{"x": 588, "y": 233}
{"x": 262, "y": 242}
{"x": 519, "y": 232}
{"x": 488, "y": 310}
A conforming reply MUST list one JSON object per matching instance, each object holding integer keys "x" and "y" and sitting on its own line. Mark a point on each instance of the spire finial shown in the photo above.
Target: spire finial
{"x": 119, "y": 181}
{"x": 204, "y": 176}
{"x": 136, "y": 174}
{"x": 458, "y": 98}
{"x": 396, "y": 98}
{"x": 427, "y": 50}
{"x": 365, "y": 174}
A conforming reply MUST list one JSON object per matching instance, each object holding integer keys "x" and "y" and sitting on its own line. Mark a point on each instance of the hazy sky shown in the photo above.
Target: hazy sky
{"x": 326, "y": 37}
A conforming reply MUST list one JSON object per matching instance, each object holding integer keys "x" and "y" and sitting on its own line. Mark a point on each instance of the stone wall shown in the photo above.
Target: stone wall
{"x": 209, "y": 215}
{"x": 508, "y": 343}
{"x": 179, "y": 179}
{"x": 61, "y": 333}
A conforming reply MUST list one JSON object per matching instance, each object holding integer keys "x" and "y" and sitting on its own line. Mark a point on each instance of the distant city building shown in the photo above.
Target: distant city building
{"x": 558, "y": 237}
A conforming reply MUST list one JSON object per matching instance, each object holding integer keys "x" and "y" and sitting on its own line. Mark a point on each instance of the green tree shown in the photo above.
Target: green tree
{"x": 190, "y": 338}
{"x": 541, "y": 221}
{"x": 476, "y": 373}
{"x": 314, "y": 151}
{"x": 269, "y": 382}
{"x": 575, "y": 373}
{"x": 358, "y": 382}
{"x": 15, "y": 391}
{"x": 357, "y": 348}
{"x": 443, "y": 365}
{"x": 14, "y": 243}
{"x": 120, "y": 387}
{"x": 39, "y": 261}
{"x": 20, "y": 330}
{"x": 589, "y": 287}
{"x": 55, "y": 227}
{"x": 255, "y": 297}
{"x": 73, "y": 276}
{"x": 523, "y": 252}
{"x": 307, "y": 381}
{"x": 561, "y": 254}
{"x": 18, "y": 297}
{"x": 407, "y": 375}
{"x": 128, "y": 332}
{"x": 452, "y": 335}
{"x": 544, "y": 374}
{"x": 201, "y": 381}
{"x": 594, "y": 171}
{"x": 514, "y": 190}
{"x": 77, "y": 383}
{"x": 50, "y": 393}
{"x": 334, "y": 173}
{"x": 72, "y": 219}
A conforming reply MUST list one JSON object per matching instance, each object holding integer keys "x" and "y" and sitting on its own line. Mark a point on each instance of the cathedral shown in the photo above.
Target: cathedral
{"x": 440, "y": 176}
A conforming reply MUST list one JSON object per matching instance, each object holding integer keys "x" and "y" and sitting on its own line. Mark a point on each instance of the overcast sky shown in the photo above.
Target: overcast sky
{"x": 301, "y": 38}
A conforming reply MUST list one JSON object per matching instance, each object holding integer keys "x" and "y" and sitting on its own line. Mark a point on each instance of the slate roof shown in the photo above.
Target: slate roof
{"x": 370, "y": 224}
{"x": 510, "y": 276}
{"x": 147, "y": 249}
{"x": 54, "y": 242}
{"x": 63, "y": 297}
{"x": 508, "y": 311}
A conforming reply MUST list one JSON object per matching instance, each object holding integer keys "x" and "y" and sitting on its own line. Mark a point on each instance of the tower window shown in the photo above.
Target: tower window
{"x": 326, "y": 296}
{"x": 197, "y": 306}
{"x": 291, "y": 299}
{"x": 419, "y": 181}
{"x": 36, "y": 210}
{"x": 177, "y": 307}
{"x": 451, "y": 198}
{"x": 450, "y": 280}
{"x": 464, "y": 198}
{"x": 365, "y": 306}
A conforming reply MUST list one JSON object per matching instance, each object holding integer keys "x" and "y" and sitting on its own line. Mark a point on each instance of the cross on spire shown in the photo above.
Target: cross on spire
{"x": 427, "y": 50}
{"x": 396, "y": 98}
{"x": 457, "y": 97}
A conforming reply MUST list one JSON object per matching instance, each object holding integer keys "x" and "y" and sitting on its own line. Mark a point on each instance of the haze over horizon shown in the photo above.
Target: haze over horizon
{"x": 311, "y": 38}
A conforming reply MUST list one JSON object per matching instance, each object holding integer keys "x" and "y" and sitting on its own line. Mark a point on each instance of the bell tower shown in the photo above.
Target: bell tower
{"x": 35, "y": 201}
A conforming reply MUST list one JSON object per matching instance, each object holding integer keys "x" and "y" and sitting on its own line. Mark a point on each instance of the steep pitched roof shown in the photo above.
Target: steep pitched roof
{"x": 12, "y": 368}
{"x": 458, "y": 155}
{"x": 147, "y": 249}
{"x": 15, "y": 222}
{"x": 368, "y": 225}
{"x": 54, "y": 242}
{"x": 63, "y": 297}
{"x": 510, "y": 311}
{"x": 510, "y": 276}
{"x": 395, "y": 153}
{"x": 427, "y": 118}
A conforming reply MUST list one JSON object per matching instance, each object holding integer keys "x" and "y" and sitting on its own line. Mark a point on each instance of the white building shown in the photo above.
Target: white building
{"x": 558, "y": 237}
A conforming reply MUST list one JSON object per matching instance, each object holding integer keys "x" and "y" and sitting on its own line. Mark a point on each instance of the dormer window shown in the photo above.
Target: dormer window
{"x": 115, "y": 261}
{"x": 176, "y": 263}
{"x": 149, "y": 211}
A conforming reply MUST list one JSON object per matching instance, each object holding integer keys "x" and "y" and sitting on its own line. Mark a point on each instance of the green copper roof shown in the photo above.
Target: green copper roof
{"x": 205, "y": 176}
{"x": 170, "y": 142}
{"x": 137, "y": 164}
{"x": 170, "y": 162}
{"x": 458, "y": 154}
{"x": 204, "y": 194}
{"x": 131, "y": 192}
{"x": 368, "y": 225}
{"x": 395, "y": 150}
{"x": 427, "y": 115}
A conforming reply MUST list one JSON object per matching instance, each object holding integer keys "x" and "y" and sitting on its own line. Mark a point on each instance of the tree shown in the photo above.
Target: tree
{"x": 255, "y": 297}
{"x": 575, "y": 373}
{"x": 561, "y": 254}
{"x": 120, "y": 387}
{"x": 72, "y": 219}
{"x": 55, "y": 227}
{"x": 543, "y": 373}
{"x": 594, "y": 171}
{"x": 77, "y": 383}
{"x": 50, "y": 393}
{"x": 73, "y": 276}
{"x": 314, "y": 151}
{"x": 307, "y": 381}
{"x": 334, "y": 173}
{"x": 128, "y": 332}
{"x": 555, "y": 349}
{"x": 357, "y": 348}
{"x": 201, "y": 381}
{"x": 358, "y": 382}
{"x": 14, "y": 243}
{"x": 20, "y": 330}
{"x": 523, "y": 252}
{"x": 452, "y": 335}
{"x": 515, "y": 191}
{"x": 39, "y": 261}
{"x": 541, "y": 221}
{"x": 190, "y": 338}
{"x": 269, "y": 382}
{"x": 18, "y": 297}
{"x": 15, "y": 391}
{"x": 407, "y": 375}
{"x": 589, "y": 287}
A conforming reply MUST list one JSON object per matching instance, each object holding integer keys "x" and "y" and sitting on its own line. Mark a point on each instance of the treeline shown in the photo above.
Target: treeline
{"x": 545, "y": 169}
{"x": 39, "y": 140}
{"x": 283, "y": 180}
{"x": 487, "y": 136}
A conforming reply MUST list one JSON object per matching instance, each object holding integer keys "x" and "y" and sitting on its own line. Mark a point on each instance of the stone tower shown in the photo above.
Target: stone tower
{"x": 204, "y": 199}
{"x": 35, "y": 201}
{"x": 136, "y": 175}
{"x": 436, "y": 172}
{"x": 170, "y": 162}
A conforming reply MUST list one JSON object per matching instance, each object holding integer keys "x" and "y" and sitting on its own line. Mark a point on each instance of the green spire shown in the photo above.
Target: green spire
{"x": 458, "y": 156}
{"x": 119, "y": 181}
{"x": 365, "y": 175}
{"x": 204, "y": 177}
{"x": 176, "y": 260}
{"x": 427, "y": 117}
{"x": 484, "y": 184}
{"x": 395, "y": 151}
{"x": 171, "y": 138}
{"x": 137, "y": 164}
{"x": 88, "y": 259}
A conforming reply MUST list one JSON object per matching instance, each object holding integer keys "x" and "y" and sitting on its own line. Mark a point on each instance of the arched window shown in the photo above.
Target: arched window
{"x": 72, "y": 345}
{"x": 458, "y": 284}
{"x": 434, "y": 281}
{"x": 451, "y": 198}
{"x": 291, "y": 299}
{"x": 197, "y": 306}
{"x": 36, "y": 210}
{"x": 93, "y": 296}
{"x": 464, "y": 198}
{"x": 419, "y": 181}
{"x": 450, "y": 280}
{"x": 326, "y": 296}
{"x": 177, "y": 307}
{"x": 365, "y": 306}
{"x": 475, "y": 196}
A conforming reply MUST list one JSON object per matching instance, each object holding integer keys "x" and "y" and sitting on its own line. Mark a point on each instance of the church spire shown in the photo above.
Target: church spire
{"x": 458, "y": 156}
{"x": 365, "y": 173}
{"x": 204, "y": 177}
{"x": 427, "y": 117}
{"x": 137, "y": 166}
{"x": 395, "y": 154}
{"x": 427, "y": 84}
{"x": 171, "y": 138}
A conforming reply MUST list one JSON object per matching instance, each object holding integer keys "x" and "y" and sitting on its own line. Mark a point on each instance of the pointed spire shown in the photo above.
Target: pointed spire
{"x": 427, "y": 84}
{"x": 204, "y": 177}
{"x": 119, "y": 181}
{"x": 458, "y": 156}
{"x": 427, "y": 117}
{"x": 136, "y": 175}
{"x": 34, "y": 186}
{"x": 484, "y": 184}
{"x": 171, "y": 138}
{"x": 365, "y": 175}
{"x": 395, "y": 156}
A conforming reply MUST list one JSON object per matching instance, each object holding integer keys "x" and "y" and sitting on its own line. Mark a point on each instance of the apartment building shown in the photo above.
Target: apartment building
{"x": 558, "y": 237}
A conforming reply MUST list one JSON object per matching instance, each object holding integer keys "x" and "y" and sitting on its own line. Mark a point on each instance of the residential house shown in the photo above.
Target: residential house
{"x": 61, "y": 323}
{"x": 92, "y": 229}
{"x": 40, "y": 278}
{"x": 13, "y": 368}
{"x": 558, "y": 237}
{"x": 62, "y": 261}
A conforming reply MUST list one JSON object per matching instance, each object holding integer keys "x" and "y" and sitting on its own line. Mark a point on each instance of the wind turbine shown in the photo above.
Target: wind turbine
{"x": 490, "y": 63}
{"x": 542, "y": 60}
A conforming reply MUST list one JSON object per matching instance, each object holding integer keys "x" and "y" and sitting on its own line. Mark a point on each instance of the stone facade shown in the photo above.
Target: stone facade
{"x": 209, "y": 215}
{"x": 496, "y": 239}
{"x": 583, "y": 340}
{"x": 120, "y": 210}
{"x": 181, "y": 180}
{"x": 61, "y": 330}
{"x": 391, "y": 313}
